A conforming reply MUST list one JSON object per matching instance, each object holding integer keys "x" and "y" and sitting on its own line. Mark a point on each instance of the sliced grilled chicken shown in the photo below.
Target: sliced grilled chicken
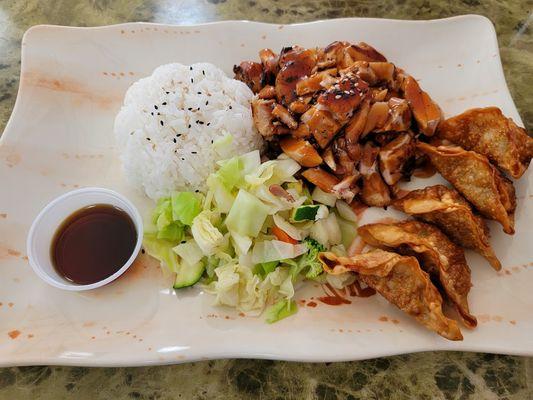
{"x": 318, "y": 81}
{"x": 268, "y": 92}
{"x": 364, "y": 52}
{"x": 399, "y": 116}
{"x": 284, "y": 116}
{"x": 375, "y": 191}
{"x": 343, "y": 98}
{"x": 301, "y": 150}
{"x": 300, "y": 105}
{"x": 295, "y": 64}
{"x": 379, "y": 94}
{"x": 377, "y": 116}
{"x": 321, "y": 124}
{"x": 384, "y": 71}
{"x": 250, "y": 73}
{"x": 324, "y": 180}
{"x": 426, "y": 112}
{"x": 394, "y": 156}
{"x": 355, "y": 127}
{"x": 346, "y": 165}
{"x": 331, "y": 54}
{"x": 269, "y": 61}
{"x": 346, "y": 188}
{"x": 264, "y": 119}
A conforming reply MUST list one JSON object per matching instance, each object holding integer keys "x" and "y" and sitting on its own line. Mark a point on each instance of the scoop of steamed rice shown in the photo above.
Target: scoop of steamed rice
{"x": 177, "y": 123}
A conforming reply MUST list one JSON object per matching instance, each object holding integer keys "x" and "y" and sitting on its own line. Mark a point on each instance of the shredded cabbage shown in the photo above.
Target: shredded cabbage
{"x": 237, "y": 286}
{"x": 229, "y": 230}
{"x": 185, "y": 206}
{"x": 223, "y": 146}
{"x": 289, "y": 229}
{"x": 207, "y": 237}
{"x": 275, "y": 250}
{"x": 247, "y": 215}
{"x": 162, "y": 251}
{"x": 189, "y": 251}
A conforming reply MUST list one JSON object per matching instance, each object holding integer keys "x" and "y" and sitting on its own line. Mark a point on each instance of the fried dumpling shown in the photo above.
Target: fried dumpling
{"x": 442, "y": 259}
{"x": 475, "y": 178}
{"x": 447, "y": 209}
{"x": 401, "y": 281}
{"x": 487, "y": 131}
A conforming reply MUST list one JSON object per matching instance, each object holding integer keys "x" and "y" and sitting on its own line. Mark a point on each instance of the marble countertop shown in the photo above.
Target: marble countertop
{"x": 441, "y": 375}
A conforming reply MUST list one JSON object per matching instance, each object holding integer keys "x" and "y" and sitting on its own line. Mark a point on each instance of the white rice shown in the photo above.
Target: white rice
{"x": 159, "y": 109}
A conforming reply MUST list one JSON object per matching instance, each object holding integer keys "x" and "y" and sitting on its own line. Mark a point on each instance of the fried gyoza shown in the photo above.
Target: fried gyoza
{"x": 442, "y": 259}
{"x": 447, "y": 209}
{"x": 401, "y": 281}
{"x": 487, "y": 131}
{"x": 475, "y": 178}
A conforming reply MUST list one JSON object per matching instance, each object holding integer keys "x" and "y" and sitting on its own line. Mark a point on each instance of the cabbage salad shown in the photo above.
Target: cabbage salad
{"x": 253, "y": 236}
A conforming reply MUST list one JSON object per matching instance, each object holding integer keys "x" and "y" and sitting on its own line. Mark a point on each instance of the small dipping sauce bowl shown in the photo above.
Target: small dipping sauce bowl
{"x": 43, "y": 231}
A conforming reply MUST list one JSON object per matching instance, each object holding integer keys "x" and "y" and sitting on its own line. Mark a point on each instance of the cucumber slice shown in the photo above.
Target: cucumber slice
{"x": 305, "y": 213}
{"x": 188, "y": 275}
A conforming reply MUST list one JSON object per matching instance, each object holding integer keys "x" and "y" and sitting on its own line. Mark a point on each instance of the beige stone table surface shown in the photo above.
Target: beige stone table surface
{"x": 436, "y": 375}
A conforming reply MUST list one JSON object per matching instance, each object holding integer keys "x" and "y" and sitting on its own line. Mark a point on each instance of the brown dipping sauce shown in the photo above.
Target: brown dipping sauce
{"x": 93, "y": 243}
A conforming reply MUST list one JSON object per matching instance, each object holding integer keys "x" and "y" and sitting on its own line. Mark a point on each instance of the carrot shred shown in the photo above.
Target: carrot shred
{"x": 281, "y": 235}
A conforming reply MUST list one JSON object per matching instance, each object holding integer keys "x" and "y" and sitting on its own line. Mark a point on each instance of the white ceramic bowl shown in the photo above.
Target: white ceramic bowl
{"x": 50, "y": 218}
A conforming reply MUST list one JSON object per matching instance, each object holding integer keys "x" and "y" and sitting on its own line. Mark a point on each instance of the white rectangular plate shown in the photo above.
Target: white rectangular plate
{"x": 60, "y": 137}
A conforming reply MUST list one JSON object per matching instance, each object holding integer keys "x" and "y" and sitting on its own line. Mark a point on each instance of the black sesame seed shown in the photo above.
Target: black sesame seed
{"x": 203, "y": 72}
{"x": 207, "y": 102}
{"x": 155, "y": 107}
{"x": 152, "y": 113}
{"x": 190, "y": 108}
{"x": 211, "y": 139}
{"x": 158, "y": 113}
{"x": 198, "y": 92}
{"x": 189, "y": 126}
{"x": 196, "y": 191}
{"x": 178, "y": 134}
{"x": 167, "y": 92}
{"x": 174, "y": 140}
{"x": 190, "y": 68}
{"x": 164, "y": 103}
{"x": 230, "y": 107}
{"x": 148, "y": 138}
{"x": 192, "y": 80}
{"x": 209, "y": 123}
{"x": 182, "y": 159}
{"x": 201, "y": 122}
{"x": 194, "y": 152}
{"x": 142, "y": 251}
{"x": 161, "y": 122}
